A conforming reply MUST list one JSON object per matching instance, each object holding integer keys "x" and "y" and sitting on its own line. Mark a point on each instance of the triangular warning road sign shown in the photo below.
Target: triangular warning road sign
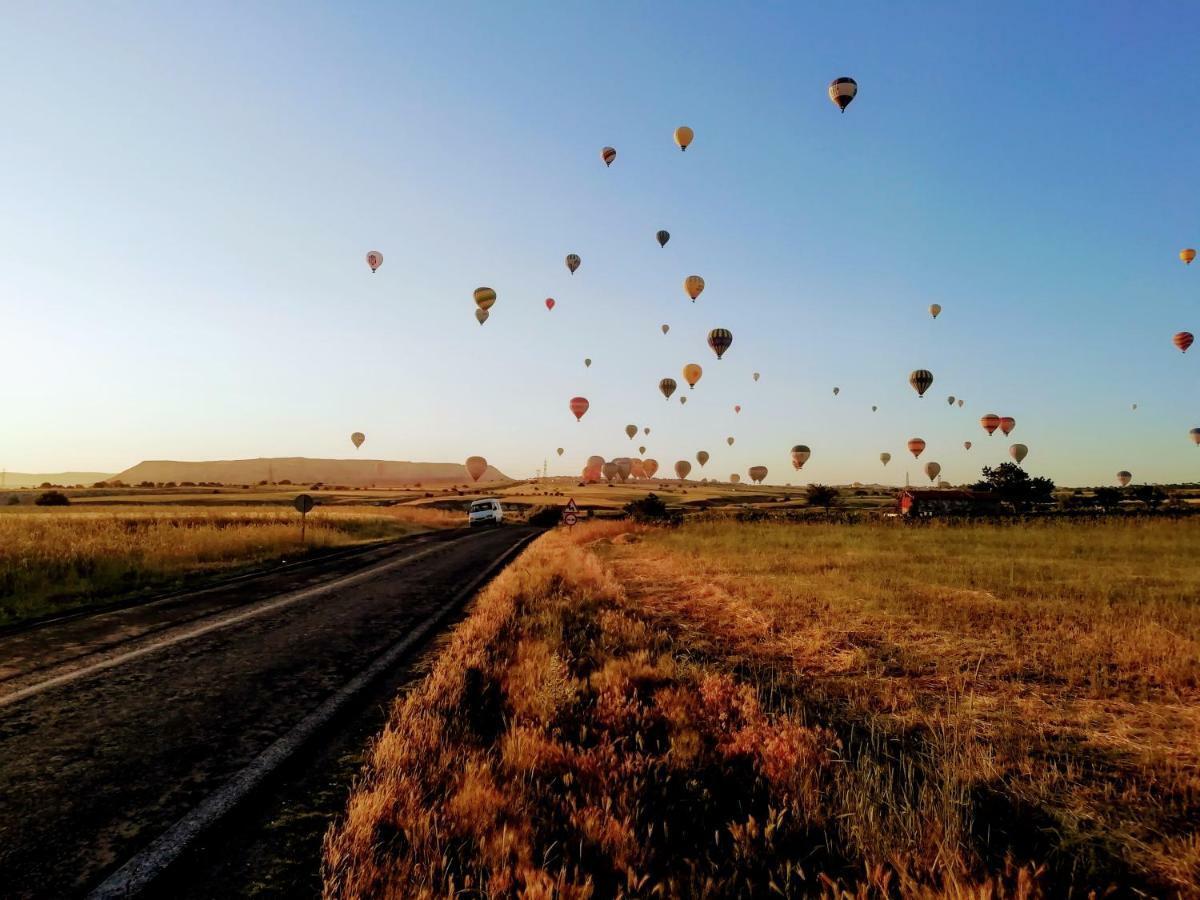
{"x": 571, "y": 507}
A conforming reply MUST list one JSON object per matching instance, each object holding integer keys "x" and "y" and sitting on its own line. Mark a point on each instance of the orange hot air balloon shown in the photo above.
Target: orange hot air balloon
{"x": 990, "y": 423}
{"x": 608, "y": 154}
{"x": 651, "y": 466}
{"x": 1183, "y": 340}
{"x": 682, "y": 468}
{"x": 683, "y": 136}
{"x": 595, "y": 462}
{"x": 637, "y": 468}
{"x": 800, "y": 455}
{"x": 1018, "y": 452}
{"x": 916, "y": 447}
{"x": 691, "y": 374}
{"x": 579, "y": 405}
{"x": 549, "y": 303}
{"x": 1187, "y": 256}
{"x": 476, "y": 466}
{"x": 758, "y": 474}
{"x": 693, "y": 285}
{"x": 932, "y": 469}
{"x": 1007, "y": 424}
{"x": 485, "y": 297}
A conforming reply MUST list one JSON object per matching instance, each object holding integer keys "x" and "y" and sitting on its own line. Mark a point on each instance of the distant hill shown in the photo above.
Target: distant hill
{"x": 28, "y": 480}
{"x": 302, "y": 470}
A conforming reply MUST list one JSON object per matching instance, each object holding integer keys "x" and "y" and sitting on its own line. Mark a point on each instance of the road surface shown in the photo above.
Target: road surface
{"x": 114, "y": 726}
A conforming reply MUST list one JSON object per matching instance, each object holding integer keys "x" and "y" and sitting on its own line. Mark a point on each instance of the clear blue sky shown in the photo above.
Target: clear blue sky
{"x": 188, "y": 190}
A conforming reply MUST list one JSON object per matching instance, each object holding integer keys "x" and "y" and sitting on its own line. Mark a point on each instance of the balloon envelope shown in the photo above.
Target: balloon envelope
{"x": 1018, "y": 452}
{"x": 758, "y": 473}
{"x": 484, "y": 297}
{"x": 1195, "y": 433}
{"x": 609, "y": 470}
{"x": 573, "y": 262}
{"x": 357, "y": 439}
{"x": 481, "y": 315}
{"x": 800, "y": 455}
{"x": 885, "y": 458}
{"x": 720, "y": 339}
{"x": 932, "y": 469}
{"x": 1183, "y": 340}
{"x": 608, "y": 154}
{"x": 1187, "y": 255}
{"x": 1007, "y": 424}
{"x": 374, "y": 259}
{"x": 683, "y": 136}
{"x": 916, "y": 446}
{"x": 630, "y": 431}
{"x": 702, "y": 457}
{"x": 729, "y": 441}
{"x": 990, "y": 422}
{"x": 579, "y": 405}
{"x": 476, "y": 466}
{"x": 693, "y": 285}
{"x": 921, "y": 380}
{"x": 691, "y": 374}
{"x": 682, "y": 468}
{"x": 559, "y": 451}
{"x": 842, "y": 91}
{"x": 651, "y": 466}
{"x": 966, "y": 445}
{"x": 665, "y": 328}
{"x": 1123, "y": 478}
{"x": 662, "y": 237}
{"x": 667, "y": 386}
{"x": 549, "y": 303}
{"x": 934, "y": 309}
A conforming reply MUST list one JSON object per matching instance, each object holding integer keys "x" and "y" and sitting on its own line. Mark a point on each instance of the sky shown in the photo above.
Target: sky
{"x": 187, "y": 193}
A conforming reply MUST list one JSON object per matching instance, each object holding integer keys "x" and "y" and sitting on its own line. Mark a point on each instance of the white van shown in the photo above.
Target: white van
{"x": 485, "y": 512}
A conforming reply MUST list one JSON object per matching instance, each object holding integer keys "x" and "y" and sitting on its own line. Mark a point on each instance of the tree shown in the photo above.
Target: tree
{"x": 1108, "y": 498}
{"x": 1011, "y": 483}
{"x": 53, "y": 498}
{"x": 649, "y": 507}
{"x": 823, "y": 495}
{"x": 1150, "y": 494}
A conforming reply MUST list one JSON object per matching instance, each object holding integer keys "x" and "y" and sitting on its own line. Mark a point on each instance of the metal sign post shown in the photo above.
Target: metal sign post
{"x": 570, "y": 513}
{"x": 303, "y": 503}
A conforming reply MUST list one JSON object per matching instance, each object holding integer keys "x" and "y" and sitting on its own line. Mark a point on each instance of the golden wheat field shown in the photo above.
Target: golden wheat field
{"x": 973, "y": 710}
{"x": 54, "y": 560}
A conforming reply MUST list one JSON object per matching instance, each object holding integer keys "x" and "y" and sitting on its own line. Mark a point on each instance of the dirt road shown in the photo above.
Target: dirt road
{"x": 114, "y": 726}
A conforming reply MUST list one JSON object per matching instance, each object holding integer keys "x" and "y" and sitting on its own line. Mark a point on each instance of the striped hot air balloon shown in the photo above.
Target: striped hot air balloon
{"x": 1007, "y": 424}
{"x": 842, "y": 91}
{"x": 990, "y": 423}
{"x": 1183, "y": 340}
{"x": 579, "y": 405}
{"x": 485, "y": 297}
{"x": 667, "y": 387}
{"x": 720, "y": 339}
{"x": 1187, "y": 255}
{"x": 916, "y": 447}
{"x": 608, "y": 154}
{"x": 663, "y": 237}
{"x": 573, "y": 262}
{"x": 921, "y": 380}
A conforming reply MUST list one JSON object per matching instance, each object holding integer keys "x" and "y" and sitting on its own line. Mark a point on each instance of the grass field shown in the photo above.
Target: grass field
{"x": 58, "y": 559}
{"x": 803, "y": 709}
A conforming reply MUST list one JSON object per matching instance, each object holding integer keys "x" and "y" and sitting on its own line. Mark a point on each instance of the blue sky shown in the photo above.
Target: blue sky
{"x": 187, "y": 193}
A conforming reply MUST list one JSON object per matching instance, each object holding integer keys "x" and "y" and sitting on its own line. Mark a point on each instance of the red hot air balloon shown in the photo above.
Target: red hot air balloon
{"x": 990, "y": 422}
{"x": 579, "y": 405}
{"x": 1007, "y": 424}
{"x": 549, "y": 303}
{"x": 916, "y": 446}
{"x": 1183, "y": 340}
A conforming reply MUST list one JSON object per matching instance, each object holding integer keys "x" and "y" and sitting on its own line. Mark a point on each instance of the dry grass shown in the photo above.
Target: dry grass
{"x": 747, "y": 710}
{"x": 53, "y": 560}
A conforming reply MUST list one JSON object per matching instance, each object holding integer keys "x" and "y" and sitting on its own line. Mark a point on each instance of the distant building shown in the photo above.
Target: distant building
{"x": 943, "y": 502}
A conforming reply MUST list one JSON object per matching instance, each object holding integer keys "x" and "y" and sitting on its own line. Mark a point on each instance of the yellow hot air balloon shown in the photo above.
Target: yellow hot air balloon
{"x": 932, "y": 469}
{"x": 691, "y": 374}
{"x": 476, "y": 466}
{"x": 682, "y": 468}
{"x": 1187, "y": 256}
{"x": 630, "y": 430}
{"x": 934, "y": 309}
{"x": 693, "y": 285}
{"x": 485, "y": 297}
{"x": 702, "y": 457}
{"x": 357, "y": 439}
{"x": 683, "y": 136}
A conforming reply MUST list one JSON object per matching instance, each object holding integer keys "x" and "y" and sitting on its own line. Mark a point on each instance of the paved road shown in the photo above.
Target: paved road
{"x": 114, "y": 726}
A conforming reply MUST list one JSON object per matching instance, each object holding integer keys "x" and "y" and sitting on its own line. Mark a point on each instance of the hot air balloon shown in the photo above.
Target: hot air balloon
{"x": 481, "y": 315}
{"x": 549, "y": 303}
{"x": 729, "y": 441}
{"x": 932, "y": 469}
{"x": 702, "y": 457}
{"x": 1018, "y": 452}
{"x": 663, "y": 237}
{"x": 950, "y": 399}
{"x": 682, "y": 468}
{"x": 874, "y": 408}
{"x": 691, "y": 374}
{"x": 683, "y": 401}
{"x": 608, "y": 154}
{"x": 683, "y": 136}
{"x": 631, "y": 430}
{"x": 720, "y": 339}
{"x": 756, "y": 376}
{"x": 637, "y": 468}
{"x": 666, "y": 328}
{"x": 559, "y": 451}
{"x": 609, "y": 470}
{"x": 735, "y": 478}
{"x": 885, "y": 458}
{"x": 1195, "y": 433}
{"x": 573, "y": 262}
{"x": 374, "y": 259}
{"x": 842, "y": 91}
{"x": 1183, "y": 340}
{"x": 587, "y": 363}
{"x": 476, "y": 466}
{"x": 651, "y": 466}
{"x": 966, "y": 445}
{"x": 934, "y": 309}
{"x": 667, "y": 386}
{"x": 595, "y": 462}
{"x": 693, "y": 285}
{"x": 642, "y": 450}
{"x": 920, "y": 379}
{"x": 485, "y": 297}
{"x": 758, "y": 473}
{"x": 357, "y": 439}
{"x": 990, "y": 423}
{"x": 579, "y": 406}
{"x": 1007, "y": 424}
{"x": 916, "y": 447}
{"x": 960, "y": 403}
{"x": 1133, "y": 406}
{"x": 646, "y": 430}
{"x": 1187, "y": 256}
{"x": 736, "y": 409}
{"x": 1123, "y": 478}
{"x": 800, "y": 455}
{"x": 836, "y": 391}
{"x": 624, "y": 467}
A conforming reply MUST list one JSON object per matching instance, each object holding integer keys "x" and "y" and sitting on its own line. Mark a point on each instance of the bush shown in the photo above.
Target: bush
{"x": 14, "y": 500}
{"x": 545, "y": 516}
{"x": 650, "y": 508}
{"x": 53, "y": 498}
